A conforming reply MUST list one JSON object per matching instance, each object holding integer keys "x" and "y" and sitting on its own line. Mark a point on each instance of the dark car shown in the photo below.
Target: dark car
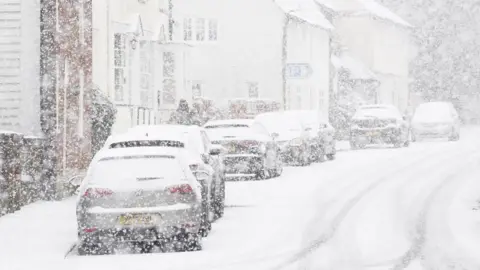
{"x": 249, "y": 152}
{"x": 379, "y": 124}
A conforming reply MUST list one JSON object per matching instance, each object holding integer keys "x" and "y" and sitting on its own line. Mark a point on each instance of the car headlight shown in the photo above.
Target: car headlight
{"x": 296, "y": 142}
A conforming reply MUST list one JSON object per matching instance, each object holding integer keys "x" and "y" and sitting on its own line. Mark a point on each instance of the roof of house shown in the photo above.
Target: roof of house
{"x": 361, "y": 7}
{"x": 305, "y": 10}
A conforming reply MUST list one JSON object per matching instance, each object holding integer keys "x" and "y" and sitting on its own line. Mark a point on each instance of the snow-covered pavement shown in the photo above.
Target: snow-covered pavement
{"x": 377, "y": 208}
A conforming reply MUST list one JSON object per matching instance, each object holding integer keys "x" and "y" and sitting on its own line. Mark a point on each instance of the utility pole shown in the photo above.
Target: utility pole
{"x": 48, "y": 59}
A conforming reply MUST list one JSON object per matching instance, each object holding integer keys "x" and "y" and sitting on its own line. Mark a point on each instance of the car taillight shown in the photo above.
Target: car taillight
{"x": 89, "y": 230}
{"x": 181, "y": 189}
{"x": 97, "y": 192}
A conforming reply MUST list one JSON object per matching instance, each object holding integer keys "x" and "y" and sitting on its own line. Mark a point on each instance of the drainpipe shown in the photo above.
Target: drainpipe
{"x": 284, "y": 59}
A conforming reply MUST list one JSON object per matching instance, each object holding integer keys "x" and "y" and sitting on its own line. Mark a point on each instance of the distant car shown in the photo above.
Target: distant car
{"x": 146, "y": 195}
{"x": 379, "y": 123}
{"x": 288, "y": 133}
{"x": 320, "y": 130}
{"x": 204, "y": 157}
{"x": 249, "y": 153}
{"x": 436, "y": 120}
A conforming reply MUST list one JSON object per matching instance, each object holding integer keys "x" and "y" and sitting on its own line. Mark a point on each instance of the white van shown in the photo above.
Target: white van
{"x": 436, "y": 120}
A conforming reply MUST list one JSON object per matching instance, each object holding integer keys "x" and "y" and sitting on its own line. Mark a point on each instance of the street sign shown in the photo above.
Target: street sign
{"x": 298, "y": 71}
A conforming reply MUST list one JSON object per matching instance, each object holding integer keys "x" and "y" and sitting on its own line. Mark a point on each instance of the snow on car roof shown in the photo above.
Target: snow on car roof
{"x": 139, "y": 151}
{"x": 246, "y": 122}
{"x": 146, "y": 135}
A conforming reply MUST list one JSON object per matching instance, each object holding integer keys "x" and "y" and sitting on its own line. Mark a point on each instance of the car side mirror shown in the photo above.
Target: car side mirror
{"x": 74, "y": 183}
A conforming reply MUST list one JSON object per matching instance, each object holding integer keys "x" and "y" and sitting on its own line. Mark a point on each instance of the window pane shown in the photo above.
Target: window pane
{"x": 212, "y": 30}
{"x": 119, "y": 41}
{"x": 119, "y": 58}
{"x": 187, "y": 29}
{"x": 119, "y": 92}
{"x": 168, "y": 64}
{"x": 200, "y": 30}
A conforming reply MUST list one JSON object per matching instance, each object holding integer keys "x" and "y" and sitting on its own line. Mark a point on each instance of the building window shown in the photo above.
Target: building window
{"x": 212, "y": 30}
{"x": 252, "y": 89}
{"x": 196, "y": 89}
{"x": 321, "y": 99}
{"x": 145, "y": 73}
{"x": 119, "y": 66}
{"x": 200, "y": 29}
{"x": 169, "y": 84}
{"x": 187, "y": 29}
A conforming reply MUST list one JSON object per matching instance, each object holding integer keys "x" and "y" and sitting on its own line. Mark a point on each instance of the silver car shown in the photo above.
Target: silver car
{"x": 144, "y": 196}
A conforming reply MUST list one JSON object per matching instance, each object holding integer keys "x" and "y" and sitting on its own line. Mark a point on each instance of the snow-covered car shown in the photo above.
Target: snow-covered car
{"x": 248, "y": 153}
{"x": 321, "y": 132}
{"x": 147, "y": 195}
{"x": 204, "y": 157}
{"x": 291, "y": 138}
{"x": 437, "y": 120}
{"x": 379, "y": 123}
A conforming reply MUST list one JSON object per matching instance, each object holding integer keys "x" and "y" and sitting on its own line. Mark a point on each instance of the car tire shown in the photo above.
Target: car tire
{"x": 189, "y": 242}
{"x": 219, "y": 202}
{"x": 279, "y": 170}
{"x": 330, "y": 156}
{"x": 263, "y": 173}
{"x": 353, "y": 145}
{"x": 305, "y": 159}
{"x": 206, "y": 224}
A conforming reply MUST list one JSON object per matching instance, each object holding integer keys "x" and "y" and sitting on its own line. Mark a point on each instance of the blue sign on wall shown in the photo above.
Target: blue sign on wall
{"x": 298, "y": 70}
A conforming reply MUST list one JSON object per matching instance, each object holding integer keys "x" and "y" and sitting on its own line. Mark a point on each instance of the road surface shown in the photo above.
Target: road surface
{"x": 377, "y": 208}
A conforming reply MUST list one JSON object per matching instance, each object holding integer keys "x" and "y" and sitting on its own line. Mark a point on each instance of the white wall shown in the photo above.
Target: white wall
{"x": 249, "y": 47}
{"x": 118, "y": 16}
{"x": 311, "y": 45}
{"x": 385, "y": 49}
{"x": 19, "y": 67}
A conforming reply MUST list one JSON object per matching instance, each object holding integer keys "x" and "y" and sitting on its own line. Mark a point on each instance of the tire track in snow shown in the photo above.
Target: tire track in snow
{"x": 416, "y": 249}
{"x": 351, "y": 203}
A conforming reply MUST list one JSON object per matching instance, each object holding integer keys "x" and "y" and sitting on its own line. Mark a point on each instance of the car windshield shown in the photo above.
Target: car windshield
{"x": 432, "y": 113}
{"x": 120, "y": 169}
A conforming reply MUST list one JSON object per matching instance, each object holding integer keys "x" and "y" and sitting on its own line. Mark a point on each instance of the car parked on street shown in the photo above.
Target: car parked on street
{"x": 436, "y": 120}
{"x": 288, "y": 133}
{"x": 147, "y": 195}
{"x": 248, "y": 153}
{"x": 204, "y": 157}
{"x": 321, "y": 132}
{"x": 377, "y": 124}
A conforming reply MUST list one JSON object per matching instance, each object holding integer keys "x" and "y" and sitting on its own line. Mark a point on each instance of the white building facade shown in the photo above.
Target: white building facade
{"x": 19, "y": 66}
{"x": 240, "y": 49}
{"x": 378, "y": 38}
{"x": 134, "y": 61}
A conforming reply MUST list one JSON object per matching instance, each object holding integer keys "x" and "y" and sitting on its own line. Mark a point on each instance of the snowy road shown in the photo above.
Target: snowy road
{"x": 384, "y": 208}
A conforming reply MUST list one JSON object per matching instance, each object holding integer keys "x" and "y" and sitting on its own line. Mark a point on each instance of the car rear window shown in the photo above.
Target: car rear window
{"x": 150, "y": 143}
{"x": 227, "y": 126}
{"x": 135, "y": 168}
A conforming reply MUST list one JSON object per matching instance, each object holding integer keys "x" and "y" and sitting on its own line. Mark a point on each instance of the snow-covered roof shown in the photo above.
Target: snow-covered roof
{"x": 305, "y": 10}
{"x": 357, "y": 69}
{"x": 356, "y": 7}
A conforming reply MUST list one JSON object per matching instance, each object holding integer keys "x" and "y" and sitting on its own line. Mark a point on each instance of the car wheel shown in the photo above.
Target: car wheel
{"x": 452, "y": 136}
{"x": 188, "y": 242}
{"x": 409, "y": 139}
{"x": 330, "y": 156}
{"x": 263, "y": 173}
{"x": 305, "y": 158}
{"x": 279, "y": 169}
{"x": 219, "y": 202}
{"x": 353, "y": 145}
{"x": 206, "y": 223}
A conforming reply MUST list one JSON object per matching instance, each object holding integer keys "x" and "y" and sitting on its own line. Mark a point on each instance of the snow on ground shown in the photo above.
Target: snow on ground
{"x": 355, "y": 212}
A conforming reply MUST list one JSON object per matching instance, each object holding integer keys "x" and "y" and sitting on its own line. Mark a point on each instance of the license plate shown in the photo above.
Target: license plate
{"x": 135, "y": 220}
{"x": 373, "y": 133}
